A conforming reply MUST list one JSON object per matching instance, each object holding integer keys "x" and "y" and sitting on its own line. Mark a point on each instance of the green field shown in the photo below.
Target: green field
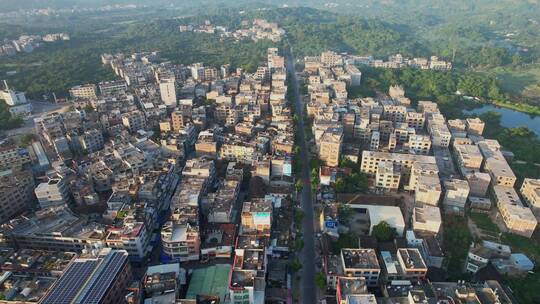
{"x": 520, "y": 81}
{"x": 483, "y": 222}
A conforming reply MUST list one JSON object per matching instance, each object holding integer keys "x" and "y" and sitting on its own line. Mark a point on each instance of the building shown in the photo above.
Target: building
{"x": 209, "y": 281}
{"x": 167, "y": 89}
{"x": 330, "y": 146}
{"x": 257, "y": 216}
{"x": 478, "y": 183}
{"x": 92, "y": 141}
{"x": 134, "y": 121}
{"x": 427, "y": 218}
{"x": 163, "y": 279}
{"x": 180, "y": 241}
{"x": 16, "y": 193}
{"x": 348, "y": 289}
{"x": 468, "y": 157}
{"x": 54, "y": 192}
{"x": 530, "y": 190}
{"x": 177, "y": 120}
{"x": 102, "y": 279}
{"x": 87, "y": 91}
{"x": 132, "y": 236}
{"x": 456, "y": 192}
{"x": 354, "y": 72}
{"x": 405, "y": 264}
{"x": 428, "y": 190}
{"x": 361, "y": 263}
{"x": 388, "y": 175}
{"x": 109, "y": 87}
{"x": 53, "y": 229}
{"x": 419, "y": 144}
{"x": 12, "y": 157}
{"x": 371, "y": 160}
{"x": 379, "y": 213}
{"x": 475, "y": 126}
{"x": 495, "y": 164}
{"x": 331, "y": 59}
{"x": 517, "y": 218}
{"x": 12, "y": 98}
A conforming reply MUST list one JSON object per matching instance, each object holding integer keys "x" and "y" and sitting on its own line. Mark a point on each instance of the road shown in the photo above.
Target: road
{"x": 309, "y": 290}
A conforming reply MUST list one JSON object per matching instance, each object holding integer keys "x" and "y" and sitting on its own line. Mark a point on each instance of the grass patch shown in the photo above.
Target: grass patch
{"x": 456, "y": 241}
{"x": 526, "y": 289}
{"x": 519, "y": 80}
{"x": 484, "y": 222}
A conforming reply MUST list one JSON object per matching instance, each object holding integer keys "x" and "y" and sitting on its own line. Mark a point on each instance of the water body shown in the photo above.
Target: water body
{"x": 511, "y": 118}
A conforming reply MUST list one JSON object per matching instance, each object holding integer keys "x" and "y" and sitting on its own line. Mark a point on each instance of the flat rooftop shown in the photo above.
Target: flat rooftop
{"x": 359, "y": 258}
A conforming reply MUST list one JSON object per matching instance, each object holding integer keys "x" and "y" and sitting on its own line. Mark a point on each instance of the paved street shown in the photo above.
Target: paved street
{"x": 309, "y": 290}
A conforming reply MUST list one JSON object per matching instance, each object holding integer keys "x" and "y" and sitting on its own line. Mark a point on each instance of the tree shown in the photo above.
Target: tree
{"x": 88, "y": 108}
{"x": 27, "y": 139}
{"x": 355, "y": 182}
{"x": 383, "y": 232}
{"x": 347, "y": 163}
{"x": 320, "y": 280}
{"x": 295, "y": 265}
{"x": 299, "y": 185}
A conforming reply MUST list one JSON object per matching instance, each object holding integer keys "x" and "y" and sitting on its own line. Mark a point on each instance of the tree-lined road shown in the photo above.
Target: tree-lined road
{"x": 309, "y": 290}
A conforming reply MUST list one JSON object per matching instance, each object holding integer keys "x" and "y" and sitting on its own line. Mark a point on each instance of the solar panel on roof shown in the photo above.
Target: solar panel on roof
{"x": 67, "y": 287}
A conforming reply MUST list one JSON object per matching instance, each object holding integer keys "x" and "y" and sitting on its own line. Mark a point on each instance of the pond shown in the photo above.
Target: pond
{"x": 511, "y": 118}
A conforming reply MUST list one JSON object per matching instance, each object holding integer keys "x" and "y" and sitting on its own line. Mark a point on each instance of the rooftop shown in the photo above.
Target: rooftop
{"x": 359, "y": 258}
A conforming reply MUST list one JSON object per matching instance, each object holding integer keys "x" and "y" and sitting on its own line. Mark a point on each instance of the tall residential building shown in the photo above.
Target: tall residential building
{"x": 13, "y": 157}
{"x": 134, "y": 121}
{"x": 456, "y": 192}
{"x": 518, "y": 218}
{"x": 92, "y": 141}
{"x": 475, "y": 126}
{"x": 495, "y": 164}
{"x": 388, "y": 175}
{"x": 177, "y": 120}
{"x": 530, "y": 190}
{"x": 16, "y": 193}
{"x": 101, "y": 279}
{"x": 330, "y": 58}
{"x": 330, "y": 146}
{"x": 167, "y": 88}
{"x": 371, "y": 160}
{"x": 54, "y": 192}
{"x": 419, "y": 144}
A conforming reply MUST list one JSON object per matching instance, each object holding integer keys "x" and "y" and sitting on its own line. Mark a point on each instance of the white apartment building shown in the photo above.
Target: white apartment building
{"x": 52, "y": 193}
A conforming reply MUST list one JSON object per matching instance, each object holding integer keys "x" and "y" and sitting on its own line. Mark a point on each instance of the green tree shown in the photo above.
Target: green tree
{"x": 383, "y": 232}
{"x": 27, "y": 139}
{"x": 295, "y": 265}
{"x": 320, "y": 280}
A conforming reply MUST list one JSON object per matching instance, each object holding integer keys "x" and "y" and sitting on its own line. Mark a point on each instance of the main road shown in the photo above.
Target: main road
{"x": 309, "y": 290}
